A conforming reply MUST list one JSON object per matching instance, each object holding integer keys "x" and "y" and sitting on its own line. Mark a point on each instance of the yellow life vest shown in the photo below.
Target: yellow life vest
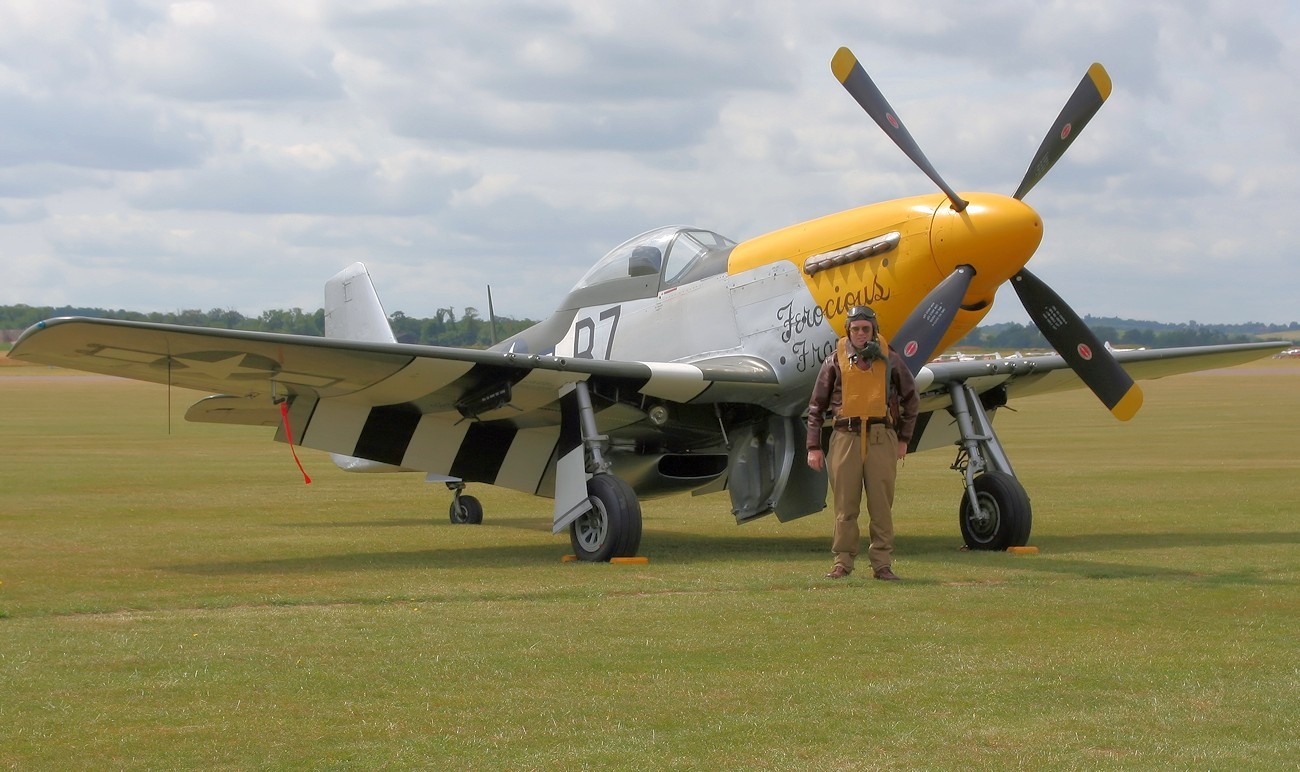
{"x": 863, "y": 393}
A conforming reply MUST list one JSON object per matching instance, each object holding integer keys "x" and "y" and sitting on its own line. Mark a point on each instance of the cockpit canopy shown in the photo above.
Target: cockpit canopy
{"x": 692, "y": 254}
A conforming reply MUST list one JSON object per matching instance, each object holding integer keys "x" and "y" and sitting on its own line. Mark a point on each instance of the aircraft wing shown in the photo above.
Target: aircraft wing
{"x": 509, "y": 419}
{"x": 259, "y": 367}
{"x": 1026, "y": 376}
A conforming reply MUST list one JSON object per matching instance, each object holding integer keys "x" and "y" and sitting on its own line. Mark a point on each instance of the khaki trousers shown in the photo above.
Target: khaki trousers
{"x": 850, "y": 473}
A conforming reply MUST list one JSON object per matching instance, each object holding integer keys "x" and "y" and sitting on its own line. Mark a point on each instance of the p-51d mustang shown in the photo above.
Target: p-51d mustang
{"x": 681, "y": 361}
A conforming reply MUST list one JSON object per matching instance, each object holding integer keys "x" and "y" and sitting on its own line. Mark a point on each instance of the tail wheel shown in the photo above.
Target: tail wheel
{"x": 612, "y": 529}
{"x": 466, "y": 510}
{"x": 1001, "y": 516}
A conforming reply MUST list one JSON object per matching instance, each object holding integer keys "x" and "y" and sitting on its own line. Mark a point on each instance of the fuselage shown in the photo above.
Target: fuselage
{"x": 681, "y": 294}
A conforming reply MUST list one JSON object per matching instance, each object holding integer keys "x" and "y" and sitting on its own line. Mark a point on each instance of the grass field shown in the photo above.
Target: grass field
{"x": 172, "y": 596}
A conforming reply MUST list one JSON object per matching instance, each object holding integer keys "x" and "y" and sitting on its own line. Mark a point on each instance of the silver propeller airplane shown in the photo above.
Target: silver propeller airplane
{"x": 681, "y": 361}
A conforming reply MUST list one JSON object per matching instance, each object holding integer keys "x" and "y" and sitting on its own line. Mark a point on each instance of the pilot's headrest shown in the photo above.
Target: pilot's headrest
{"x": 644, "y": 260}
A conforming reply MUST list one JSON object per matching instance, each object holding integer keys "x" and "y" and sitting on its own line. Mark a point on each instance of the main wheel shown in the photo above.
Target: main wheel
{"x": 1001, "y": 517}
{"x": 612, "y": 529}
{"x": 466, "y": 510}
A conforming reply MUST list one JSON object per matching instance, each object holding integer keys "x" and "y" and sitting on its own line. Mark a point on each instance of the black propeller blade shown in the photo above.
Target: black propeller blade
{"x": 1086, "y": 100}
{"x": 919, "y": 336}
{"x": 858, "y": 83}
{"x": 1078, "y": 346}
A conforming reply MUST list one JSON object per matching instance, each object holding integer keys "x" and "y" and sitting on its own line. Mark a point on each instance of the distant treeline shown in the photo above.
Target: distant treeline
{"x": 1126, "y": 333}
{"x": 471, "y": 330}
{"x": 444, "y": 329}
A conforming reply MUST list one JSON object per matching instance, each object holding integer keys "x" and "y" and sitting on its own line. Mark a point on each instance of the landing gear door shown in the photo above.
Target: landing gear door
{"x": 769, "y": 472}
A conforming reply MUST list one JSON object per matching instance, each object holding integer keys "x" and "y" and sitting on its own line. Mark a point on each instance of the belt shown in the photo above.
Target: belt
{"x": 854, "y": 424}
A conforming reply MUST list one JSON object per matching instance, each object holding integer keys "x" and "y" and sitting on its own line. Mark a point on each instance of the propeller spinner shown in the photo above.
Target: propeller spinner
{"x": 1061, "y": 326}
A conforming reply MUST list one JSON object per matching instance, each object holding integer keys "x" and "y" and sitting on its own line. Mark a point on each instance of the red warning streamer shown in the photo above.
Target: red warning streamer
{"x": 288, "y": 433}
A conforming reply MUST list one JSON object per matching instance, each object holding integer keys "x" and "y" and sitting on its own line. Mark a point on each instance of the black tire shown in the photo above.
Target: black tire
{"x": 1004, "y": 516}
{"x": 612, "y": 529}
{"x": 470, "y": 511}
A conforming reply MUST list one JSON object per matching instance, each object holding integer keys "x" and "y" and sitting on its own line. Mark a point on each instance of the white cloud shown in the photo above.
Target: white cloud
{"x": 315, "y": 179}
{"x": 244, "y": 52}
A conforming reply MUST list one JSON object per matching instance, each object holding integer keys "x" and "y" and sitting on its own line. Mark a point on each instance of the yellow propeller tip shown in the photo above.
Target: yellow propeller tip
{"x": 1101, "y": 79}
{"x": 1128, "y": 405}
{"x": 843, "y": 63}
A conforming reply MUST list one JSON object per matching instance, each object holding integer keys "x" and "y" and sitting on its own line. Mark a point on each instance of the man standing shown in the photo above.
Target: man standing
{"x": 872, "y": 397}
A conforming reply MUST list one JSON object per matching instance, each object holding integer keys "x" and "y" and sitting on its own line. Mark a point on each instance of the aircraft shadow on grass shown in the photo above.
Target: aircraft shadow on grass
{"x": 678, "y": 548}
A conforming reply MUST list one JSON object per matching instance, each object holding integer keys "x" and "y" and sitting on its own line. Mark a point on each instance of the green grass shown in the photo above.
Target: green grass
{"x": 182, "y": 600}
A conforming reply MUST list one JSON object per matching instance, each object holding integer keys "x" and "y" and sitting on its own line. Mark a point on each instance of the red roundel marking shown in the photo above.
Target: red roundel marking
{"x": 1065, "y": 131}
{"x": 910, "y": 348}
{"x": 1084, "y": 351}
{"x": 892, "y": 120}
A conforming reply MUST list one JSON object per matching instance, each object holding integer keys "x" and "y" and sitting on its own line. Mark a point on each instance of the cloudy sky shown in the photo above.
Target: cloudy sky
{"x": 159, "y": 156}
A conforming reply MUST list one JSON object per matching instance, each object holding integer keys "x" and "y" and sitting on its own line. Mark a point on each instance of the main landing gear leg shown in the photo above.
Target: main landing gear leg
{"x": 611, "y": 526}
{"x": 995, "y": 511}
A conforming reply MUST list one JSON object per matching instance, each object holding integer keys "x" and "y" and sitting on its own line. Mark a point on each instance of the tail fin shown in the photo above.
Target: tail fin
{"x": 352, "y": 309}
{"x": 353, "y": 312}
